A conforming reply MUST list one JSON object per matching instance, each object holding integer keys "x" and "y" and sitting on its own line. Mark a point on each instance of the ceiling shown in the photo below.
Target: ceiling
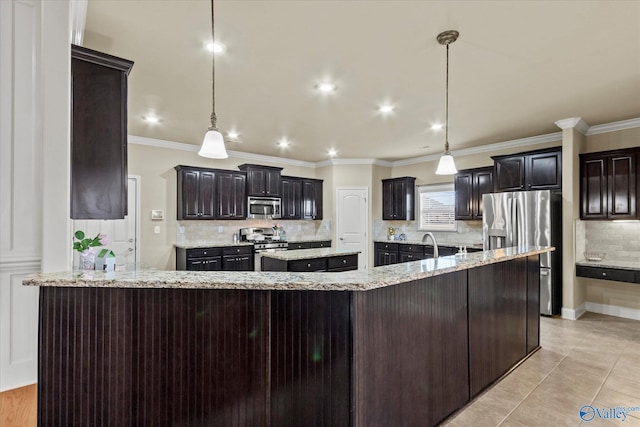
{"x": 517, "y": 67}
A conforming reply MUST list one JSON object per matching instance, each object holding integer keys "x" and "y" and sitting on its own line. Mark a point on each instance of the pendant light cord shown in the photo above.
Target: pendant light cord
{"x": 446, "y": 108}
{"x": 213, "y": 74}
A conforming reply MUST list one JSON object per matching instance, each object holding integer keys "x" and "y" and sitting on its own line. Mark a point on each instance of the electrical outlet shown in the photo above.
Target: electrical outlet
{"x": 299, "y": 227}
{"x": 156, "y": 229}
{"x": 219, "y": 229}
{"x": 181, "y": 230}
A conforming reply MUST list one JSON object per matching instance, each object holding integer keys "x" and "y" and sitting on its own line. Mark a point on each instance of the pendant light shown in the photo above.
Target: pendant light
{"x": 213, "y": 144}
{"x": 446, "y": 165}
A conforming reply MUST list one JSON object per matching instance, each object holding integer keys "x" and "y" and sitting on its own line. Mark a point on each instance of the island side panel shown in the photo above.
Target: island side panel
{"x": 533, "y": 303}
{"x": 112, "y": 356}
{"x": 410, "y": 352}
{"x": 310, "y": 358}
{"x": 497, "y": 320}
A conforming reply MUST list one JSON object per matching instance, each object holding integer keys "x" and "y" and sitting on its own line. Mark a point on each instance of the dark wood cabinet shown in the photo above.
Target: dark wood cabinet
{"x": 470, "y": 185}
{"x": 98, "y": 134}
{"x": 408, "y": 253}
{"x": 321, "y": 264}
{"x": 291, "y": 203}
{"x": 196, "y": 193}
{"x": 608, "y": 273}
{"x": 210, "y": 194}
{"x": 309, "y": 245}
{"x": 529, "y": 171}
{"x": 609, "y": 185}
{"x": 385, "y": 253}
{"x": 231, "y": 195}
{"x": 262, "y": 180}
{"x": 311, "y": 199}
{"x": 227, "y": 258}
{"x": 398, "y": 198}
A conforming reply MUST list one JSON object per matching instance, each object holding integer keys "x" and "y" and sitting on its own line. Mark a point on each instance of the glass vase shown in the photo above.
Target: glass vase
{"x": 87, "y": 261}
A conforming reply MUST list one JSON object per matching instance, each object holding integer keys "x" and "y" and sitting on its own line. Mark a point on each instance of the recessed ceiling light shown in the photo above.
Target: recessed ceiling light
{"x": 215, "y": 47}
{"x": 232, "y": 134}
{"x": 437, "y": 126}
{"x": 151, "y": 118}
{"x": 386, "y": 109}
{"x": 283, "y": 143}
{"x": 326, "y": 87}
{"x": 332, "y": 152}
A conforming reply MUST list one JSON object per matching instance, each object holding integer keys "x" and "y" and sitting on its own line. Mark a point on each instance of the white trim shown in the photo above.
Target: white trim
{"x": 574, "y": 122}
{"x": 78, "y": 19}
{"x": 614, "y": 126}
{"x": 8, "y": 263}
{"x": 614, "y": 310}
{"x": 571, "y": 314}
{"x": 138, "y": 180}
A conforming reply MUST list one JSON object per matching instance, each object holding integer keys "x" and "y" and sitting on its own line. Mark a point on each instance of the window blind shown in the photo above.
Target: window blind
{"x": 437, "y": 207}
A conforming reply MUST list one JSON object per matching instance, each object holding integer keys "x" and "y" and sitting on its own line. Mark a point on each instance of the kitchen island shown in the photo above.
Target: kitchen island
{"x": 310, "y": 260}
{"x": 406, "y": 344}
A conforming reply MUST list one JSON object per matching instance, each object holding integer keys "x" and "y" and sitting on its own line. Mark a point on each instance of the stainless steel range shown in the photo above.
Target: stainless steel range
{"x": 263, "y": 239}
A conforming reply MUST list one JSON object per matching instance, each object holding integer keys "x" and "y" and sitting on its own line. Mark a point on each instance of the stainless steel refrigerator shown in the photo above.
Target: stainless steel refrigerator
{"x": 529, "y": 218}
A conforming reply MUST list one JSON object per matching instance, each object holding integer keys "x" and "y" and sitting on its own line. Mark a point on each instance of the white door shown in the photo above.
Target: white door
{"x": 352, "y": 220}
{"x": 122, "y": 234}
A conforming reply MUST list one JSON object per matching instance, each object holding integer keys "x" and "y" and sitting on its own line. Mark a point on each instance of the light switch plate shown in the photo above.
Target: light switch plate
{"x": 156, "y": 229}
{"x": 157, "y": 214}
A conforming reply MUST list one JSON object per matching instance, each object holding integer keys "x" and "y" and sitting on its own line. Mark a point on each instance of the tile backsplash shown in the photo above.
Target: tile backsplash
{"x": 469, "y": 232}
{"x": 617, "y": 240}
{"x": 221, "y": 232}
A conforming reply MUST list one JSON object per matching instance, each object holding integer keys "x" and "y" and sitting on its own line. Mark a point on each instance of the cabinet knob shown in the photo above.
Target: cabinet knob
{"x": 309, "y": 265}
{"x": 344, "y": 261}
{"x": 604, "y": 274}
{"x": 205, "y": 252}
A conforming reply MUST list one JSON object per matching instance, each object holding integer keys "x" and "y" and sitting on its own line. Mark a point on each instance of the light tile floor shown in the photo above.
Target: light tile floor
{"x": 592, "y": 361}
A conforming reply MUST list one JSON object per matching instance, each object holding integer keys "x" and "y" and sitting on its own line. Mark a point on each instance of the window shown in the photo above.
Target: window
{"x": 437, "y": 207}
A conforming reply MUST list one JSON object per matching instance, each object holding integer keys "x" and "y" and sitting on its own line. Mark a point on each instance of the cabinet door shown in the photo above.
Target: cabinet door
{"x": 482, "y": 184}
{"x": 230, "y": 190}
{"x": 463, "y": 185}
{"x": 318, "y": 208}
{"x": 387, "y": 200}
{"x": 544, "y": 171}
{"x": 311, "y": 199}
{"x": 188, "y": 190}
{"x": 593, "y": 188}
{"x": 256, "y": 182}
{"x": 509, "y": 174}
{"x": 291, "y": 198}
{"x": 399, "y": 199}
{"x": 621, "y": 186}
{"x": 237, "y": 263}
{"x": 272, "y": 183}
{"x": 206, "y": 194}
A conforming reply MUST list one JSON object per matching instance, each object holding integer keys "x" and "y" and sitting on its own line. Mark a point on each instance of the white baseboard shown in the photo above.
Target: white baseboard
{"x": 612, "y": 310}
{"x": 573, "y": 314}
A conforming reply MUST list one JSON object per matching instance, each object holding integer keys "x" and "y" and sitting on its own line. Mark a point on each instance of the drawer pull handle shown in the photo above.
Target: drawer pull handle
{"x": 604, "y": 274}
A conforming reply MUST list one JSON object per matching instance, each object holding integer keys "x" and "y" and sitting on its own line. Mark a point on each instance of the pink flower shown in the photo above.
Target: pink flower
{"x": 103, "y": 239}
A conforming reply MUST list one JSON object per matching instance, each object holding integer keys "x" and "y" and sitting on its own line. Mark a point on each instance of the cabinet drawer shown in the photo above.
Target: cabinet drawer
{"x": 316, "y": 264}
{"x": 342, "y": 261}
{"x": 387, "y": 246}
{"x": 323, "y": 244}
{"x": 411, "y": 248}
{"x": 299, "y": 245}
{"x": 237, "y": 250}
{"x": 606, "y": 273}
{"x": 203, "y": 252}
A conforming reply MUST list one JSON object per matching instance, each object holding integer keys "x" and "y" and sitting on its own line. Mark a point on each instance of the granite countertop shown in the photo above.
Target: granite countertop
{"x": 429, "y": 243}
{"x": 307, "y": 254}
{"x": 605, "y": 263}
{"x": 360, "y": 280}
{"x": 197, "y": 245}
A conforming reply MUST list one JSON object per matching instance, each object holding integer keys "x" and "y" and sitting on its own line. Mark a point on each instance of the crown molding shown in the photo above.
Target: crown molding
{"x": 614, "y": 126}
{"x": 160, "y": 143}
{"x": 336, "y": 162}
{"x": 574, "y": 122}
{"x": 78, "y": 20}
{"x": 532, "y": 140}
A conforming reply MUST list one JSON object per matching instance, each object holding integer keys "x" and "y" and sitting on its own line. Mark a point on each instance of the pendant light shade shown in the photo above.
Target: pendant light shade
{"x": 213, "y": 144}
{"x": 446, "y": 165}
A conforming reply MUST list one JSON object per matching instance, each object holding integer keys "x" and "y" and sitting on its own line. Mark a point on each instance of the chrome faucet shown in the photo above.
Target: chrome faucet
{"x": 435, "y": 244}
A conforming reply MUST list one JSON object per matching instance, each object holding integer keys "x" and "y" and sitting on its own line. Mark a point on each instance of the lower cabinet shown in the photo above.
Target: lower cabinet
{"x": 606, "y": 273}
{"x": 386, "y": 253}
{"x": 394, "y": 253}
{"x": 228, "y": 258}
{"x": 309, "y": 245}
{"x": 324, "y": 264}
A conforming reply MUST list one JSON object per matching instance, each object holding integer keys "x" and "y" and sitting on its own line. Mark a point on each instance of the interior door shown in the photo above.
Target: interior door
{"x": 121, "y": 233}
{"x": 352, "y": 220}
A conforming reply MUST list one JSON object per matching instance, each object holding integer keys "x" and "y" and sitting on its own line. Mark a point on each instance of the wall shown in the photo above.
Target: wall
{"x": 156, "y": 165}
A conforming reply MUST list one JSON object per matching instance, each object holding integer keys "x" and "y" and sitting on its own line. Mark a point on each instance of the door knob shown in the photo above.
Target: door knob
{"x": 130, "y": 249}
{"x": 130, "y": 240}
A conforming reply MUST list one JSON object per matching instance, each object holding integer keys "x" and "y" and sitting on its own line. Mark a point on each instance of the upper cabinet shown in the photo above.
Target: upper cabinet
{"x": 98, "y": 134}
{"x": 262, "y": 180}
{"x": 609, "y": 185}
{"x": 291, "y": 206}
{"x": 311, "y": 198}
{"x": 470, "y": 185}
{"x": 533, "y": 170}
{"x": 398, "y": 198}
{"x": 211, "y": 194}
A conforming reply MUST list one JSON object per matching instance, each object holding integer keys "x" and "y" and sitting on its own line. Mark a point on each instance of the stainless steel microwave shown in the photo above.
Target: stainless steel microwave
{"x": 263, "y": 207}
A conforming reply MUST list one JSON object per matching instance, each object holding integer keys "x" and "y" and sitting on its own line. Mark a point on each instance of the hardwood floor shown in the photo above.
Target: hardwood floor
{"x": 18, "y": 407}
